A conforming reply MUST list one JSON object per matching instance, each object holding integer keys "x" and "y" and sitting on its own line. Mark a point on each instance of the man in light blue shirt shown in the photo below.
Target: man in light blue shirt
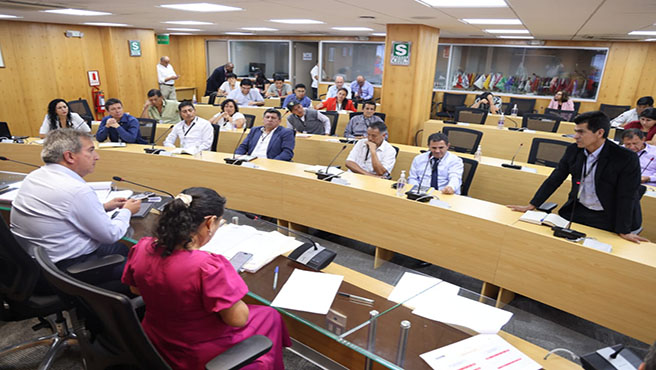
{"x": 438, "y": 168}
{"x": 246, "y": 95}
{"x": 298, "y": 97}
{"x": 361, "y": 89}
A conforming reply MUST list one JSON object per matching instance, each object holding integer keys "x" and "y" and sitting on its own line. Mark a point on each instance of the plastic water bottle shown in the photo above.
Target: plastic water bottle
{"x": 514, "y": 111}
{"x": 502, "y": 119}
{"x": 479, "y": 154}
{"x": 400, "y": 185}
{"x": 194, "y": 101}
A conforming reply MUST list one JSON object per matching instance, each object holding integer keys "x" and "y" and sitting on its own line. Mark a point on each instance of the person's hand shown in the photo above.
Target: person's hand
{"x": 114, "y": 203}
{"x": 112, "y": 123}
{"x": 252, "y": 103}
{"x": 176, "y": 77}
{"x": 634, "y": 238}
{"x": 529, "y": 207}
{"x": 132, "y": 205}
{"x": 448, "y": 190}
{"x": 147, "y": 104}
{"x": 372, "y": 145}
{"x": 644, "y": 179}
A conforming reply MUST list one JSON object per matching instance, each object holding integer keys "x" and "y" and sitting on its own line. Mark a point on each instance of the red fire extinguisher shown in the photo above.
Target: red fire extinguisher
{"x": 98, "y": 101}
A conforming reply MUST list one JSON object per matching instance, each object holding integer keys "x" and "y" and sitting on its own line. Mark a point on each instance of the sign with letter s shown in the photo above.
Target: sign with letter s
{"x": 400, "y": 53}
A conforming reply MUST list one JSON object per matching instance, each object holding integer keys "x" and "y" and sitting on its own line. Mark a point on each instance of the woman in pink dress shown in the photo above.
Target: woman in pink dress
{"x": 194, "y": 307}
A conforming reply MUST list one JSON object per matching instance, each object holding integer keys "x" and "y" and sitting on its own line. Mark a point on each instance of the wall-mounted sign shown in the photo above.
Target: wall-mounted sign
{"x": 400, "y": 53}
{"x": 307, "y": 56}
{"x": 94, "y": 78}
{"x": 135, "y": 48}
{"x": 163, "y": 39}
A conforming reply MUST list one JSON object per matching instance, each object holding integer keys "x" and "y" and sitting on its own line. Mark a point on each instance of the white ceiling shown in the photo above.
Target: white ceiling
{"x": 546, "y": 20}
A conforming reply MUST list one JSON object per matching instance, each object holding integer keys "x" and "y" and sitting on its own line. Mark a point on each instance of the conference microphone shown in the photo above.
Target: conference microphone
{"x": 567, "y": 232}
{"x": 516, "y": 128}
{"x": 234, "y": 160}
{"x": 152, "y": 149}
{"x": 417, "y": 195}
{"x": 310, "y": 254}
{"x": 28, "y": 164}
{"x": 643, "y": 170}
{"x": 326, "y": 175}
{"x": 421, "y": 180}
{"x": 512, "y": 161}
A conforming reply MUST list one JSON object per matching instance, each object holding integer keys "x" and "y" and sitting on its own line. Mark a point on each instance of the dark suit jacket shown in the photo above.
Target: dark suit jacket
{"x": 281, "y": 146}
{"x": 215, "y": 80}
{"x": 617, "y": 183}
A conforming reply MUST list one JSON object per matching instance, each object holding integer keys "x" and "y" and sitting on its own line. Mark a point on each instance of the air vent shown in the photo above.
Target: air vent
{"x": 422, "y": 17}
{"x": 27, "y": 5}
{"x": 367, "y": 17}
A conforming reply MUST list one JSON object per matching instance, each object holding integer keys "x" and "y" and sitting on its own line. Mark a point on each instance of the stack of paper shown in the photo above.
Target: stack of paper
{"x": 308, "y": 291}
{"x": 322, "y": 169}
{"x": 414, "y": 290}
{"x": 10, "y": 194}
{"x": 104, "y": 191}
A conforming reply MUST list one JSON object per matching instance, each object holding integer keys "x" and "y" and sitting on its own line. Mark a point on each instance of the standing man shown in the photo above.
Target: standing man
{"x": 195, "y": 133}
{"x": 245, "y": 95}
{"x": 118, "y": 126}
{"x": 307, "y": 121}
{"x": 269, "y": 141}
{"x": 164, "y": 111}
{"x": 362, "y": 90}
{"x": 166, "y": 77}
{"x": 314, "y": 74}
{"x": 373, "y": 156}
{"x": 357, "y": 126}
{"x": 57, "y": 210}
{"x": 339, "y": 83}
{"x": 298, "y": 97}
{"x": 218, "y": 77}
{"x": 634, "y": 140}
{"x": 605, "y": 180}
{"x": 445, "y": 168}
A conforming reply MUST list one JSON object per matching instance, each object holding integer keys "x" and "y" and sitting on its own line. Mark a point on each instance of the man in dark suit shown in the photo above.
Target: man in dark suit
{"x": 217, "y": 78}
{"x": 605, "y": 180}
{"x": 269, "y": 141}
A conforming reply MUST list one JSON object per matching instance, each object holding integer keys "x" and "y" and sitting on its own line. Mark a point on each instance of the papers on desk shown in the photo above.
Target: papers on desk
{"x": 542, "y": 218}
{"x": 264, "y": 246}
{"x": 595, "y": 244}
{"x": 439, "y": 203}
{"x": 322, "y": 169}
{"x": 111, "y": 145}
{"x": 461, "y": 311}
{"x": 462, "y": 124}
{"x": 10, "y": 193}
{"x": 411, "y": 285}
{"x": 528, "y": 169}
{"x": 308, "y": 291}
{"x": 299, "y": 134}
{"x": 650, "y": 193}
{"x": 39, "y": 141}
{"x": 104, "y": 191}
{"x": 332, "y": 140}
{"x": 484, "y": 352}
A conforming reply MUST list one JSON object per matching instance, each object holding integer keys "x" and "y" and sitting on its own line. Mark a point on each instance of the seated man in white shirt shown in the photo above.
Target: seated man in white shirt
{"x": 635, "y": 140}
{"x": 229, "y": 85}
{"x": 195, "y": 133}
{"x": 373, "y": 156}
{"x": 246, "y": 95}
{"x": 339, "y": 83}
{"x": 57, "y": 210}
{"x": 633, "y": 114}
{"x": 438, "y": 169}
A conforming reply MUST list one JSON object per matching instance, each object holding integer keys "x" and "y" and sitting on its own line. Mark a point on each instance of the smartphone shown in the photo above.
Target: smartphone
{"x": 239, "y": 260}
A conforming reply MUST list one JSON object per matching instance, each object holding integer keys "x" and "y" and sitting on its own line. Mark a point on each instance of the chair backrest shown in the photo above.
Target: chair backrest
{"x": 547, "y": 152}
{"x": 463, "y": 140}
{"x": 541, "y": 122}
{"x": 566, "y": 115}
{"x": 525, "y": 106}
{"x": 452, "y": 101}
{"x": 4, "y": 130}
{"x": 147, "y": 129}
{"x": 613, "y": 111}
{"x": 397, "y": 151}
{"x": 117, "y": 339}
{"x": 212, "y": 98}
{"x": 215, "y": 139}
{"x": 250, "y": 120}
{"x": 81, "y": 107}
{"x": 379, "y": 114}
{"x": 334, "y": 118}
{"x": 469, "y": 169}
{"x": 18, "y": 271}
{"x": 470, "y": 115}
{"x": 577, "y": 106}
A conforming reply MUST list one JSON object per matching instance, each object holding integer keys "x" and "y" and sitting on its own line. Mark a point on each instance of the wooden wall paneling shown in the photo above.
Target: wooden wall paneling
{"x": 622, "y": 73}
{"x": 12, "y": 105}
{"x": 647, "y": 83}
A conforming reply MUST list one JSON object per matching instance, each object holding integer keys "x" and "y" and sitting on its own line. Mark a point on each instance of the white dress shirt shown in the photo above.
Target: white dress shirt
{"x": 588, "y": 193}
{"x": 449, "y": 171}
{"x": 225, "y": 86}
{"x": 626, "y": 117}
{"x": 241, "y": 99}
{"x": 314, "y": 73}
{"x": 262, "y": 145}
{"x": 76, "y": 121}
{"x": 165, "y": 72}
{"x": 57, "y": 210}
{"x": 360, "y": 155}
{"x": 199, "y": 134}
{"x": 227, "y": 125}
{"x": 332, "y": 91}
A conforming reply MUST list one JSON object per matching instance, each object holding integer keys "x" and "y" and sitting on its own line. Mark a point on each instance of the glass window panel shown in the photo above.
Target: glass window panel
{"x": 443, "y": 52}
{"x": 524, "y": 71}
{"x": 270, "y": 57}
{"x": 353, "y": 59}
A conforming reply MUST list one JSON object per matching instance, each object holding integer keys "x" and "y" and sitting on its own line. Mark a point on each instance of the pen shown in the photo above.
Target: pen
{"x": 275, "y": 278}
{"x": 351, "y": 296}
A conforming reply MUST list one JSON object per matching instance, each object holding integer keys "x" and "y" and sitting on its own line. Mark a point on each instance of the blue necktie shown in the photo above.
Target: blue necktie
{"x": 434, "y": 173}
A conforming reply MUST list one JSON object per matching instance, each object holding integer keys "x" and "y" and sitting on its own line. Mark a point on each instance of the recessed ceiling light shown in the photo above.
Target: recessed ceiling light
{"x": 201, "y": 7}
{"x": 296, "y": 21}
{"x": 9, "y": 16}
{"x": 184, "y": 29}
{"x": 491, "y": 21}
{"x": 379, "y": 34}
{"x": 643, "y": 33}
{"x": 180, "y": 33}
{"x": 189, "y": 23}
{"x": 89, "y": 13}
{"x": 259, "y": 29}
{"x": 364, "y": 29}
{"x": 516, "y": 37}
{"x": 464, "y": 3}
{"x": 239, "y": 33}
{"x": 105, "y": 24}
{"x": 507, "y": 31}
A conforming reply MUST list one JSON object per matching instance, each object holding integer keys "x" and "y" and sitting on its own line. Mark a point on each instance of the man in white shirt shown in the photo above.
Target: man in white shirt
{"x": 373, "y": 156}
{"x": 314, "y": 73}
{"x": 269, "y": 140}
{"x": 634, "y": 140}
{"x": 57, "y": 210}
{"x": 633, "y": 114}
{"x": 246, "y": 95}
{"x": 438, "y": 169}
{"x": 166, "y": 77}
{"x": 195, "y": 133}
{"x": 339, "y": 83}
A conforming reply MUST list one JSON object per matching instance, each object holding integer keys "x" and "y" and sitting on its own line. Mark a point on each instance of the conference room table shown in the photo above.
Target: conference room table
{"x": 565, "y": 127}
{"x": 478, "y": 238}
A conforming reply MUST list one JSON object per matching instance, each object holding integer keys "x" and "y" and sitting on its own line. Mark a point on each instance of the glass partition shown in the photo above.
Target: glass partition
{"x": 270, "y": 57}
{"x": 442, "y": 66}
{"x": 351, "y": 59}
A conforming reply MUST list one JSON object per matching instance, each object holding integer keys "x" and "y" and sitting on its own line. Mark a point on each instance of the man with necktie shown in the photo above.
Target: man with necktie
{"x": 438, "y": 169}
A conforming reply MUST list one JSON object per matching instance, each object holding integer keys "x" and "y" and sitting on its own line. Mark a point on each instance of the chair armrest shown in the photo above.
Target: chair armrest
{"x": 241, "y": 353}
{"x": 92, "y": 267}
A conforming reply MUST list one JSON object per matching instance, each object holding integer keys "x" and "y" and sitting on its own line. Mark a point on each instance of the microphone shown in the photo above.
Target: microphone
{"x": 614, "y": 354}
{"x": 309, "y": 254}
{"x": 152, "y": 149}
{"x": 567, "y": 232}
{"x": 426, "y": 196}
{"x": 512, "y": 161}
{"x": 641, "y": 172}
{"x": 327, "y": 175}
{"x": 516, "y": 128}
{"x": 120, "y": 179}
{"x": 421, "y": 181}
{"x": 234, "y": 160}
{"x": 28, "y": 164}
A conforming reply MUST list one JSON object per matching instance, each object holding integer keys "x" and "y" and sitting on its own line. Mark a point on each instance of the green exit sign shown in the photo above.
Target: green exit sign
{"x": 400, "y": 53}
{"x": 135, "y": 48}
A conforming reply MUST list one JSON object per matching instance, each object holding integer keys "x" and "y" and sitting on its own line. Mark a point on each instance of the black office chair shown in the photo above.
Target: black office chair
{"x": 505, "y": 108}
{"x": 541, "y": 122}
{"x": 468, "y": 172}
{"x": 250, "y": 120}
{"x": 449, "y": 104}
{"x": 577, "y": 107}
{"x": 566, "y": 115}
{"x": 417, "y": 136}
{"x": 81, "y": 107}
{"x": 612, "y": 111}
{"x": 397, "y": 151}
{"x": 547, "y": 152}
{"x": 147, "y": 129}
{"x": 334, "y": 118}
{"x": 212, "y": 99}
{"x": 113, "y": 337}
{"x": 215, "y": 139}
{"x": 463, "y": 140}
{"x": 524, "y": 106}
{"x": 4, "y": 130}
{"x": 379, "y": 114}
{"x": 470, "y": 115}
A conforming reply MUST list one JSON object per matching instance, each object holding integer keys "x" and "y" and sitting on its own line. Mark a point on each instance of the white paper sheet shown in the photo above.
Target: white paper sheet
{"x": 484, "y": 352}
{"x": 107, "y": 195}
{"x": 308, "y": 291}
{"x": 465, "y": 312}
{"x": 322, "y": 169}
{"x": 10, "y": 195}
{"x": 411, "y": 284}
